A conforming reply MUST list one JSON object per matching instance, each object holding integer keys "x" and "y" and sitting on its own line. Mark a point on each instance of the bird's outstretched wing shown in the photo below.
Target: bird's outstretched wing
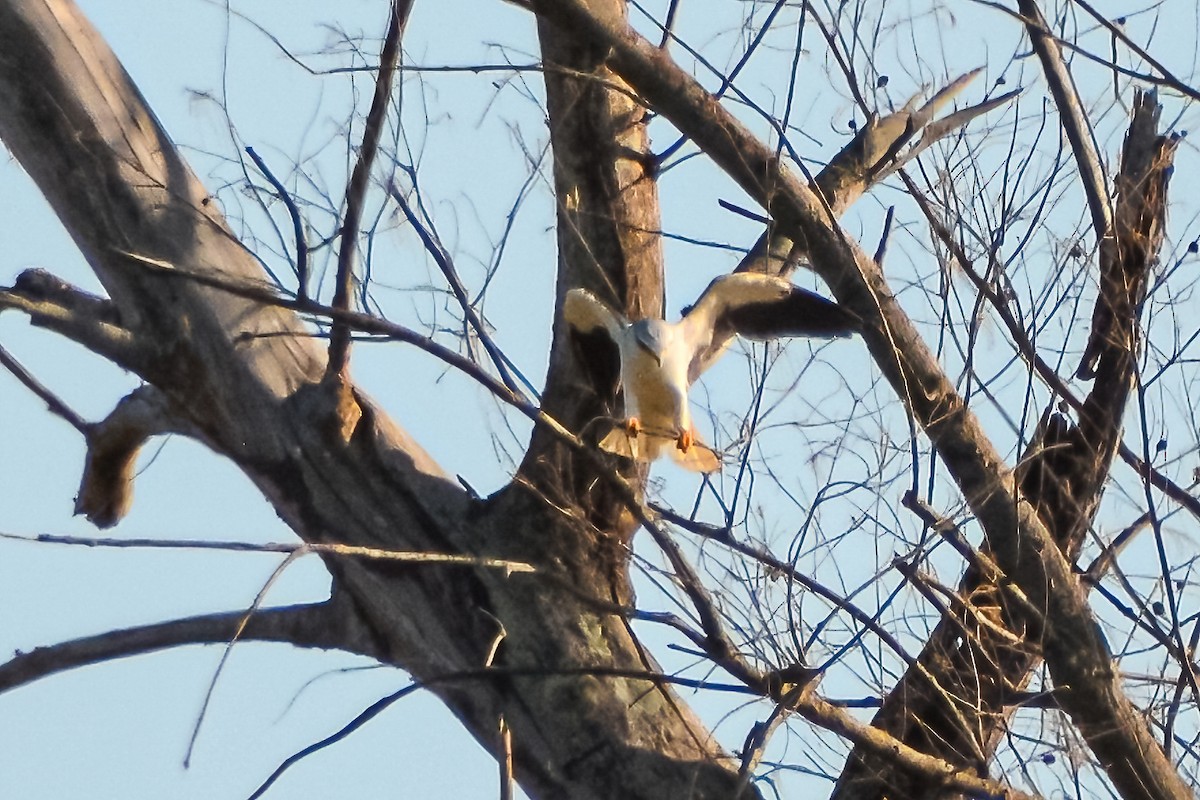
{"x": 760, "y": 307}
{"x": 596, "y": 329}
{"x": 586, "y": 313}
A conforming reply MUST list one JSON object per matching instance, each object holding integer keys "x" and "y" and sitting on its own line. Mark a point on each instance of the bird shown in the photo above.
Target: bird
{"x": 660, "y": 360}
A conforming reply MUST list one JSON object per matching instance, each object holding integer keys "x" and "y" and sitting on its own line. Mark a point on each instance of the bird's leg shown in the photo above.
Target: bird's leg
{"x": 687, "y": 437}
{"x": 633, "y": 426}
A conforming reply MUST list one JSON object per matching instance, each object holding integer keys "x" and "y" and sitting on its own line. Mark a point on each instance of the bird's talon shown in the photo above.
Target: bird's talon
{"x": 633, "y": 426}
{"x": 686, "y": 440}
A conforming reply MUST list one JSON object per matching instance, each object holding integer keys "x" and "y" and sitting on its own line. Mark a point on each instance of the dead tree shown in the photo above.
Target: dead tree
{"x": 524, "y": 629}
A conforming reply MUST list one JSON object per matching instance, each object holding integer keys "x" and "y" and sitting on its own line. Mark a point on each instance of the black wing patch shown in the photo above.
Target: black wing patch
{"x": 600, "y": 360}
{"x": 801, "y": 313}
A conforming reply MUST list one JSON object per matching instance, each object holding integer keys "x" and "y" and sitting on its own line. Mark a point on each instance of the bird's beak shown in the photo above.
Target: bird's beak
{"x": 657, "y": 356}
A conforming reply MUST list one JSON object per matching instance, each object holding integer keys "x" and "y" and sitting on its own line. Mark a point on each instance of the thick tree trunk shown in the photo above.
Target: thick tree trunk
{"x": 1051, "y": 607}
{"x": 550, "y": 655}
{"x": 77, "y": 124}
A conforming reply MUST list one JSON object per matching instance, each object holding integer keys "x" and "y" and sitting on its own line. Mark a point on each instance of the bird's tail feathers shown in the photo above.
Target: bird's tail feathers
{"x": 698, "y": 458}
{"x": 648, "y": 446}
{"x": 620, "y": 442}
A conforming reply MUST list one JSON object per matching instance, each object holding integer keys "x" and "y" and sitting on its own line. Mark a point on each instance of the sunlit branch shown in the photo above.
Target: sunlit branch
{"x": 301, "y": 548}
{"x": 1074, "y": 121}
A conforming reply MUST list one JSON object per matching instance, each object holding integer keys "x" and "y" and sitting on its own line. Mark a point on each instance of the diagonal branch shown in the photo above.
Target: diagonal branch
{"x": 1070, "y": 112}
{"x": 875, "y": 153}
{"x": 54, "y": 403}
{"x": 297, "y": 223}
{"x": 1022, "y": 546}
{"x": 438, "y": 253}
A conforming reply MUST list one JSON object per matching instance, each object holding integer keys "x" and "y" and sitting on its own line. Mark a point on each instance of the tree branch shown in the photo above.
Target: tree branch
{"x": 297, "y": 223}
{"x": 433, "y": 246}
{"x": 874, "y": 153}
{"x": 84, "y": 318}
{"x": 356, "y": 190}
{"x": 1022, "y": 546}
{"x": 1074, "y": 122}
{"x": 324, "y": 625}
{"x": 54, "y": 404}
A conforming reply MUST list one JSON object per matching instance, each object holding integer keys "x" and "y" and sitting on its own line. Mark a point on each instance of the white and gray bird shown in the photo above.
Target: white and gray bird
{"x": 660, "y": 360}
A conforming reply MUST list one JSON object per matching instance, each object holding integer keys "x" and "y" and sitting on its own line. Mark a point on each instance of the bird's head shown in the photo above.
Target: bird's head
{"x": 651, "y": 336}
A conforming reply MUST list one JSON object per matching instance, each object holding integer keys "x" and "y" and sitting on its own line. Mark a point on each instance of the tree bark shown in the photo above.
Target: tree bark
{"x": 549, "y": 656}
{"x": 1038, "y": 578}
{"x": 77, "y": 124}
{"x": 1063, "y": 475}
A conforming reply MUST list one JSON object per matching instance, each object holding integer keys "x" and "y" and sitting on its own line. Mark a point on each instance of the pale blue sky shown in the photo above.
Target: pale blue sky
{"x": 121, "y": 729}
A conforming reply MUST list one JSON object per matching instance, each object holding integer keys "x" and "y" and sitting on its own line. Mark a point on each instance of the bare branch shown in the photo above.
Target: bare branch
{"x": 297, "y": 223}
{"x": 1074, "y": 121}
{"x": 434, "y": 247}
{"x": 298, "y": 548}
{"x": 91, "y": 321}
{"x": 53, "y": 402}
{"x": 247, "y": 615}
{"x": 317, "y": 625}
{"x": 339, "y": 335}
{"x": 875, "y": 153}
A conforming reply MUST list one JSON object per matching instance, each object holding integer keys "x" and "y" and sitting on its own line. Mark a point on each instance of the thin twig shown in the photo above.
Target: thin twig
{"x": 717, "y": 644}
{"x": 339, "y": 337}
{"x": 237, "y": 634}
{"x": 440, "y": 257}
{"x": 52, "y": 401}
{"x": 297, "y": 549}
{"x": 297, "y": 223}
